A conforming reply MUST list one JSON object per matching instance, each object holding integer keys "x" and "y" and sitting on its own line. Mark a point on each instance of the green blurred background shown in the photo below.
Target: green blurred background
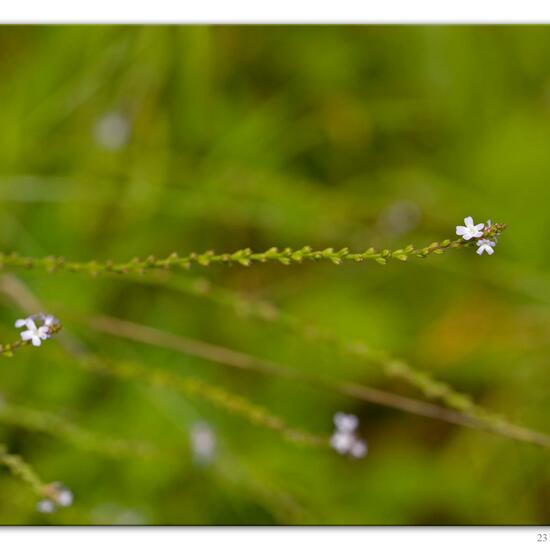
{"x": 125, "y": 141}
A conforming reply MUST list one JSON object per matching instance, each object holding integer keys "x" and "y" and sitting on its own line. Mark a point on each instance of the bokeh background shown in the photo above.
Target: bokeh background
{"x": 128, "y": 141}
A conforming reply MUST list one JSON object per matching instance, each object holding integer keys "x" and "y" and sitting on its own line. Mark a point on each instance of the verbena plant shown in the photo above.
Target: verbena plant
{"x": 454, "y": 407}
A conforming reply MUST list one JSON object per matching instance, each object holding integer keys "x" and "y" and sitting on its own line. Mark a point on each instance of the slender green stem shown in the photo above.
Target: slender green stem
{"x": 55, "y": 425}
{"x": 472, "y": 416}
{"x": 7, "y": 350}
{"x": 391, "y": 366}
{"x": 243, "y": 257}
{"x": 190, "y": 387}
{"x": 19, "y": 468}
{"x": 194, "y": 387}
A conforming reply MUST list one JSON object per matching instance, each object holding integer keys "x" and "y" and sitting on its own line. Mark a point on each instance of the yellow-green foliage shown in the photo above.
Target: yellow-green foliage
{"x": 251, "y": 142}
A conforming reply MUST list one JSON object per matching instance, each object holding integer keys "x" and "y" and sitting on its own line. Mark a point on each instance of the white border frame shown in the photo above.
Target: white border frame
{"x": 167, "y": 538}
{"x": 252, "y": 12}
{"x": 276, "y": 11}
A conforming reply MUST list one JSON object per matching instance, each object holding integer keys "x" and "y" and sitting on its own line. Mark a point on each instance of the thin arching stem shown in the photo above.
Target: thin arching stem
{"x": 482, "y": 420}
{"x": 244, "y": 257}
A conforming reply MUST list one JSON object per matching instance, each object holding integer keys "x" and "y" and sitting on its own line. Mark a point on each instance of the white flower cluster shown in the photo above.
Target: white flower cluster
{"x": 36, "y": 333}
{"x": 61, "y": 497}
{"x": 475, "y": 231}
{"x": 344, "y": 440}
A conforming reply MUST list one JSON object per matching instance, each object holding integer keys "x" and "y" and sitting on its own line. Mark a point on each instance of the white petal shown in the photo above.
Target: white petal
{"x": 341, "y": 442}
{"x": 336, "y": 445}
{"x": 20, "y": 323}
{"x": 358, "y": 449}
{"x": 64, "y": 497}
{"x": 36, "y": 341}
{"x": 479, "y": 226}
{"x": 43, "y": 332}
{"x": 345, "y": 422}
{"x": 27, "y": 335}
{"x": 337, "y": 418}
{"x": 30, "y": 324}
{"x": 467, "y": 236}
{"x": 460, "y": 230}
{"x": 45, "y": 506}
{"x": 480, "y": 250}
{"x": 469, "y": 221}
{"x": 490, "y": 251}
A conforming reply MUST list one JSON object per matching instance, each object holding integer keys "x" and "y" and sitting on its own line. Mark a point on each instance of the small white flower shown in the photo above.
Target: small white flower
{"x": 485, "y": 245}
{"x": 345, "y": 422}
{"x": 49, "y": 320}
{"x": 34, "y": 333}
{"x": 203, "y": 442}
{"x": 358, "y": 449}
{"x": 45, "y": 506}
{"x": 63, "y": 495}
{"x": 342, "y": 442}
{"x": 469, "y": 230}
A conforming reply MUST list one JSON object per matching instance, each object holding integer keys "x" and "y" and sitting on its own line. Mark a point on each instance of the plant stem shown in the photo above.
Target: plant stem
{"x": 191, "y": 387}
{"x": 392, "y": 367}
{"x": 245, "y": 257}
{"x": 475, "y": 416}
{"x": 19, "y": 468}
{"x": 7, "y": 350}
{"x": 55, "y": 425}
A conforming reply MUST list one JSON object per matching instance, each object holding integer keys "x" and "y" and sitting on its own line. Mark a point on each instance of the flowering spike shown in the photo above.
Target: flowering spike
{"x": 34, "y": 333}
{"x": 486, "y": 234}
{"x": 246, "y": 257}
{"x": 344, "y": 440}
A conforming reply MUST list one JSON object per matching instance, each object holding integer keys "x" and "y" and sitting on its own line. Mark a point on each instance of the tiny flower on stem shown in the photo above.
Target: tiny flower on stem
{"x": 64, "y": 495}
{"x": 49, "y": 320}
{"x": 469, "y": 230}
{"x": 344, "y": 440}
{"x": 485, "y": 245}
{"x": 345, "y": 422}
{"x": 358, "y": 449}
{"x": 45, "y": 506}
{"x": 56, "y": 495}
{"x": 38, "y": 327}
{"x": 34, "y": 333}
{"x": 486, "y": 234}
